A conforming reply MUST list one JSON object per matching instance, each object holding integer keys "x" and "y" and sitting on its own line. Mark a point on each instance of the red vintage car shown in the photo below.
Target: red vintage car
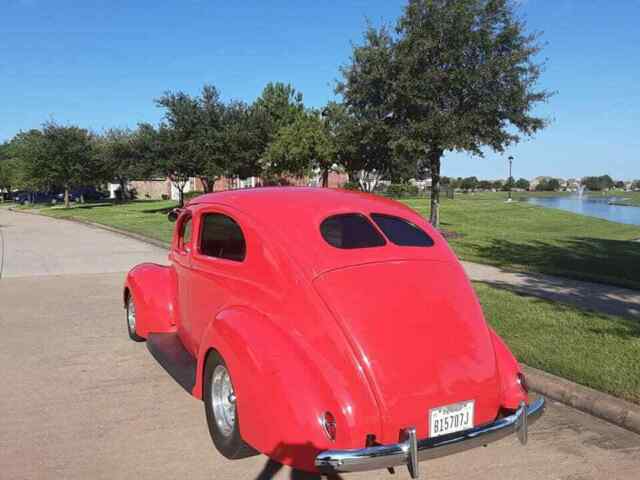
{"x": 333, "y": 331}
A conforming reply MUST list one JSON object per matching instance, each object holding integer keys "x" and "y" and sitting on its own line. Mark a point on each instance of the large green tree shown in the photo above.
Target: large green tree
{"x": 280, "y": 105}
{"x": 523, "y": 183}
{"x": 209, "y": 141}
{"x": 58, "y": 156}
{"x": 456, "y": 75}
{"x": 119, "y": 158}
{"x": 178, "y": 139}
{"x": 603, "y": 182}
{"x": 8, "y": 171}
{"x": 367, "y": 87}
{"x": 245, "y": 137}
{"x": 302, "y": 148}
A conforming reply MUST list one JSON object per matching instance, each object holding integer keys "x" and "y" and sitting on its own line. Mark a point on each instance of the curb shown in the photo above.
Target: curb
{"x": 606, "y": 407}
{"x": 614, "y": 410}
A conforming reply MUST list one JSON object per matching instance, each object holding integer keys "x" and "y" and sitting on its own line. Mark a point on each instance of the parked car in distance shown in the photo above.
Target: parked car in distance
{"x": 88, "y": 194}
{"x": 333, "y": 331}
{"x": 35, "y": 197}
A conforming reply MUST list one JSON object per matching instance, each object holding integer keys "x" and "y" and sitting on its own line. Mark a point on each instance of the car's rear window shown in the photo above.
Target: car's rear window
{"x": 401, "y": 231}
{"x": 350, "y": 230}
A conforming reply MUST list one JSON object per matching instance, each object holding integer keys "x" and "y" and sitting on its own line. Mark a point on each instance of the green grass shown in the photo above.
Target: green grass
{"x": 146, "y": 217}
{"x": 631, "y": 199}
{"x": 524, "y": 237}
{"x": 591, "y": 349}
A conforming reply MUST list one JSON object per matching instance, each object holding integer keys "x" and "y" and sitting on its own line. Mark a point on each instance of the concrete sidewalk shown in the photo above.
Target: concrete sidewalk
{"x": 588, "y": 295}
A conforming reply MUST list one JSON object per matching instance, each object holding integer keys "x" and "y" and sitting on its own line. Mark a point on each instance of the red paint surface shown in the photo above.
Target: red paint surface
{"x": 376, "y": 336}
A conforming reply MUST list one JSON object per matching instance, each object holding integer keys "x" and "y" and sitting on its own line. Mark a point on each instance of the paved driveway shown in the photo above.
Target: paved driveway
{"x": 78, "y": 400}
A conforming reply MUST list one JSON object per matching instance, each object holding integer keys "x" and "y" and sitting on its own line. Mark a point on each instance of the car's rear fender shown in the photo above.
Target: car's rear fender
{"x": 283, "y": 392}
{"x": 153, "y": 287}
{"x": 512, "y": 390}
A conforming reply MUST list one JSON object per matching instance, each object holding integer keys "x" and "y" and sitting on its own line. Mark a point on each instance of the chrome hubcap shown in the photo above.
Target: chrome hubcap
{"x": 131, "y": 316}
{"x": 223, "y": 400}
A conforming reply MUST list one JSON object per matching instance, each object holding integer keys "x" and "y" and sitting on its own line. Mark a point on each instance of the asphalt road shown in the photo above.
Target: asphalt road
{"x": 78, "y": 400}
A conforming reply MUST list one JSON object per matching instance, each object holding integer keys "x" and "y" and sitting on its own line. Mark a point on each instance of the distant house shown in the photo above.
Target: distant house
{"x": 423, "y": 184}
{"x": 573, "y": 185}
{"x": 163, "y": 188}
{"x": 536, "y": 181}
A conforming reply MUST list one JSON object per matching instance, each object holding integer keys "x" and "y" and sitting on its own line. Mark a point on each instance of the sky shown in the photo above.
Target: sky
{"x": 101, "y": 64}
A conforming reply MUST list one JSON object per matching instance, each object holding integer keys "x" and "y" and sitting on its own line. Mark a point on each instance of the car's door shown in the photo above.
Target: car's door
{"x": 181, "y": 257}
{"x": 218, "y": 267}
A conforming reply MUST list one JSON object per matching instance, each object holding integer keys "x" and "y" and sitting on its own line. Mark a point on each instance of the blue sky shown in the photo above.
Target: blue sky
{"x": 101, "y": 63}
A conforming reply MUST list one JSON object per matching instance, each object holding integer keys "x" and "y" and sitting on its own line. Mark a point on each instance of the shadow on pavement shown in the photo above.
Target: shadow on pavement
{"x": 307, "y": 452}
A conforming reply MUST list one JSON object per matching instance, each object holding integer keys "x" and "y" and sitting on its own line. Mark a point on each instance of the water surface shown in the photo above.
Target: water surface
{"x": 599, "y": 207}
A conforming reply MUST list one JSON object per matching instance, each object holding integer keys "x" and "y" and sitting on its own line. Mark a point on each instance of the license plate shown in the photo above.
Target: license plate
{"x": 451, "y": 418}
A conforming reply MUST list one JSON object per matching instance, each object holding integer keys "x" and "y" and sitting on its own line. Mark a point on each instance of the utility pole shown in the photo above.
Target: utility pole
{"x": 510, "y": 178}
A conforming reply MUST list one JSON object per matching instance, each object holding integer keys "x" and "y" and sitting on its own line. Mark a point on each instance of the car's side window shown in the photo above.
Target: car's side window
{"x": 186, "y": 233}
{"x": 221, "y": 237}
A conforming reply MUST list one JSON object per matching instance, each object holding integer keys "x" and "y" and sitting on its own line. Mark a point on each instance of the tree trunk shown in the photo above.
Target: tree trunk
{"x": 123, "y": 190}
{"x": 208, "y": 184}
{"x": 325, "y": 178}
{"x": 81, "y": 197}
{"x": 66, "y": 197}
{"x": 434, "y": 158}
{"x": 181, "y": 196}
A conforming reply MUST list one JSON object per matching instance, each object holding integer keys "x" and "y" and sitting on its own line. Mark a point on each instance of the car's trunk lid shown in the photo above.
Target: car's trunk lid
{"x": 420, "y": 335}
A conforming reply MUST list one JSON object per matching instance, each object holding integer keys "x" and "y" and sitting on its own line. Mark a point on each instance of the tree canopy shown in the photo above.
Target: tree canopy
{"x": 454, "y": 75}
{"x": 301, "y": 148}
{"x": 603, "y": 182}
{"x": 58, "y": 156}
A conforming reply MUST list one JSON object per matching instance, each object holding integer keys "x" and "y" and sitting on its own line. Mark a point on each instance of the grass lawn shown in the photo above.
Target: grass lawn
{"x": 145, "y": 217}
{"x": 525, "y": 237}
{"x": 628, "y": 198}
{"x": 595, "y": 350}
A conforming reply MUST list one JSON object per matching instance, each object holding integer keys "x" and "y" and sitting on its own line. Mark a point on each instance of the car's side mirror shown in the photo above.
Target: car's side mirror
{"x": 174, "y": 214}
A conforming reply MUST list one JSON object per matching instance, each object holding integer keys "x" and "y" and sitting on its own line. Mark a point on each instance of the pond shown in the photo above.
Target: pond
{"x": 599, "y": 207}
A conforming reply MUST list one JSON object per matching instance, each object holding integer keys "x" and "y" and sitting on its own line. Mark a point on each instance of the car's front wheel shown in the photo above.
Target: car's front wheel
{"x": 131, "y": 320}
{"x": 220, "y": 408}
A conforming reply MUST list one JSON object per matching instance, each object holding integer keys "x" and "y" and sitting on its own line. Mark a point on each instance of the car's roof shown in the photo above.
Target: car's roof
{"x": 302, "y": 199}
{"x": 296, "y": 213}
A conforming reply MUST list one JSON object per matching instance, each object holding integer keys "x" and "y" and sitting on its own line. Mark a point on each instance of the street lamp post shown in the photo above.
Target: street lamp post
{"x": 510, "y": 177}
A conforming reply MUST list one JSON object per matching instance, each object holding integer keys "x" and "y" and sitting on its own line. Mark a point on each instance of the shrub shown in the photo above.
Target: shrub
{"x": 398, "y": 190}
{"x": 351, "y": 186}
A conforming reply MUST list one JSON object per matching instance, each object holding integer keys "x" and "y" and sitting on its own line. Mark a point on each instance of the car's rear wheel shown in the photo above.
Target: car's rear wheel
{"x": 131, "y": 320}
{"x": 221, "y": 411}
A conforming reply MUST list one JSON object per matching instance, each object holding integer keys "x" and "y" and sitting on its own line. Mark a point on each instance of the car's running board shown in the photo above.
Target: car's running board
{"x": 168, "y": 350}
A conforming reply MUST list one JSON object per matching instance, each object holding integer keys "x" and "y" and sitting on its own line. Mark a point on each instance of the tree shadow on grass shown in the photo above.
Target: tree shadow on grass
{"x": 613, "y": 262}
{"x": 164, "y": 210}
{"x": 90, "y": 206}
{"x": 616, "y": 261}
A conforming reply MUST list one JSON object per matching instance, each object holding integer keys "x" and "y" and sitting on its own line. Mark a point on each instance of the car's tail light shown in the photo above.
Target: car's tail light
{"x": 329, "y": 425}
{"x": 522, "y": 381}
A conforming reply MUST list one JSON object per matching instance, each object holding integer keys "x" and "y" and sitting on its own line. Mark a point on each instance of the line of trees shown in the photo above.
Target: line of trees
{"x": 603, "y": 182}
{"x": 451, "y": 75}
{"x": 473, "y": 183}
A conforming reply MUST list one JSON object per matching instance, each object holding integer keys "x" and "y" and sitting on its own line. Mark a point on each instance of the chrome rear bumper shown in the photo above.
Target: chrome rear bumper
{"x": 411, "y": 451}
